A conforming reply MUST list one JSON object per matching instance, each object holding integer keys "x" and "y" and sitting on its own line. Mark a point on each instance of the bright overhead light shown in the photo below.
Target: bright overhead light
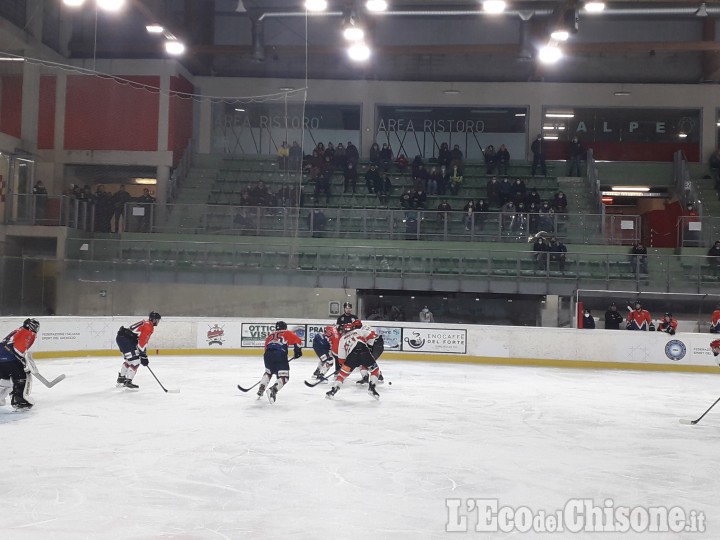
{"x": 353, "y": 33}
{"x": 154, "y": 29}
{"x": 493, "y": 6}
{"x": 560, "y": 35}
{"x": 451, "y": 92}
{"x": 174, "y": 47}
{"x": 11, "y": 59}
{"x": 550, "y": 128}
{"x": 111, "y": 5}
{"x": 376, "y": 5}
{"x": 682, "y": 135}
{"x": 73, "y": 3}
{"x": 359, "y": 52}
{"x": 238, "y": 109}
{"x": 549, "y": 54}
{"x": 316, "y": 5}
{"x": 551, "y": 137}
{"x": 622, "y": 93}
{"x": 594, "y": 7}
{"x": 631, "y": 188}
{"x": 520, "y": 114}
{"x": 559, "y": 115}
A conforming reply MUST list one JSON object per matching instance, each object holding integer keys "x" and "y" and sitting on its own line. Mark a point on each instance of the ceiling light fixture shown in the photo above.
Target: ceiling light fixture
{"x": 174, "y": 47}
{"x": 551, "y": 137}
{"x": 316, "y": 5}
{"x": 359, "y": 52}
{"x": 451, "y": 92}
{"x": 238, "y": 109}
{"x": 622, "y": 93}
{"x": 594, "y": 7}
{"x": 154, "y": 29}
{"x": 376, "y": 5}
{"x": 520, "y": 114}
{"x": 73, "y": 3}
{"x": 638, "y": 189}
{"x": 11, "y": 59}
{"x": 682, "y": 135}
{"x": 111, "y": 5}
{"x": 493, "y": 6}
{"x": 351, "y": 32}
{"x": 549, "y": 54}
{"x": 560, "y": 34}
{"x": 559, "y": 115}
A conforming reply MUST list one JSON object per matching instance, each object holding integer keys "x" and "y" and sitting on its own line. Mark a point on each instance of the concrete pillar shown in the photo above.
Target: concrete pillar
{"x": 164, "y": 113}
{"x": 161, "y": 193}
{"x": 30, "y": 100}
{"x": 59, "y": 135}
{"x": 204, "y": 131}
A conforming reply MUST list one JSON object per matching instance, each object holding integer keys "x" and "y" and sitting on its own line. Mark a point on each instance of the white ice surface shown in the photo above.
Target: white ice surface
{"x": 94, "y": 462}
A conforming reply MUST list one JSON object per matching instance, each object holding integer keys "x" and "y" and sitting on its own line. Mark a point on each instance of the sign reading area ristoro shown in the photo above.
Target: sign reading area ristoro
{"x": 437, "y": 340}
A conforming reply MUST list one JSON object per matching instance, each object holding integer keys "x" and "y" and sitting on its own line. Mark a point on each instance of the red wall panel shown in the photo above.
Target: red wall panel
{"x": 46, "y": 113}
{"x": 11, "y": 104}
{"x": 103, "y": 114}
{"x": 180, "y": 123}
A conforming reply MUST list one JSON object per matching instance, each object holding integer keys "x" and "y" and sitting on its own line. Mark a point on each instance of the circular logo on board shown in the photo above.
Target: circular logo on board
{"x": 675, "y": 350}
{"x": 416, "y": 341}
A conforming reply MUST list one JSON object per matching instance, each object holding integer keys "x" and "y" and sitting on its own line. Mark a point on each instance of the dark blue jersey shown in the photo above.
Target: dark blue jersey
{"x": 321, "y": 344}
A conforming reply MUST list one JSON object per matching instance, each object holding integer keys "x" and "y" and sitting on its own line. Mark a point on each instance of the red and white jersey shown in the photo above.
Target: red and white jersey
{"x": 364, "y": 336}
{"x": 334, "y": 339}
{"x": 19, "y": 340}
{"x": 715, "y": 322}
{"x": 639, "y": 319}
{"x": 143, "y": 329}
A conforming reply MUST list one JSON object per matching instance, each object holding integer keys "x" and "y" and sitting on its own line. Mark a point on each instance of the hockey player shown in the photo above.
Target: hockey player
{"x": 355, "y": 350}
{"x": 325, "y": 347}
{"x": 639, "y": 319}
{"x": 14, "y": 372}
{"x": 715, "y": 321}
{"x": 715, "y": 346}
{"x": 378, "y": 347}
{"x": 276, "y": 359}
{"x": 668, "y": 324}
{"x": 132, "y": 343}
{"x": 347, "y": 316}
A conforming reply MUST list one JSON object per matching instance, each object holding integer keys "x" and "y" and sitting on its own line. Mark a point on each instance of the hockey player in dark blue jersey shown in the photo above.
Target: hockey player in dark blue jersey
{"x": 323, "y": 345}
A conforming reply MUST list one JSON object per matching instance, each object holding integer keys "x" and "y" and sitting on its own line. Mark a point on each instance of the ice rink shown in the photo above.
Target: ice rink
{"x": 91, "y": 461}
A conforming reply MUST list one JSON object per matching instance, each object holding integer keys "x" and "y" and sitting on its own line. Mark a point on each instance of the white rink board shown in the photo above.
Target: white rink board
{"x": 59, "y": 334}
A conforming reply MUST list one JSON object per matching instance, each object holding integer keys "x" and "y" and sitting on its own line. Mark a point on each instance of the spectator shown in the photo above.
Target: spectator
{"x": 406, "y": 200}
{"x": 588, "y": 321}
{"x": 456, "y": 157}
{"x": 469, "y": 210}
{"x": 103, "y": 209}
{"x": 317, "y": 223}
{"x": 558, "y": 252}
{"x": 481, "y": 210}
{"x": 426, "y": 315}
{"x": 422, "y": 176}
{"x": 505, "y": 191}
{"x": 384, "y": 189}
{"x": 386, "y": 157}
{"x": 560, "y": 203}
{"x": 401, "y": 163}
{"x": 456, "y": 180}
{"x": 508, "y": 216}
{"x": 372, "y": 178}
{"x": 715, "y": 168}
{"x": 147, "y": 201}
{"x": 444, "y": 155}
{"x": 668, "y": 324}
{"x": 283, "y": 153}
{"x": 295, "y": 156}
{"x": 533, "y": 197}
{"x": 323, "y": 184}
{"x": 546, "y": 217}
{"x": 419, "y": 197}
{"x": 638, "y": 258}
{"x": 442, "y": 211}
{"x": 375, "y": 153}
{"x": 492, "y": 191}
{"x": 533, "y": 218}
{"x": 416, "y": 165}
{"x": 715, "y": 321}
{"x": 518, "y": 191}
{"x": 612, "y": 318}
{"x": 538, "y": 151}
{"x": 520, "y": 222}
{"x": 714, "y": 254}
{"x": 434, "y": 180}
{"x": 329, "y": 155}
{"x": 576, "y": 153}
{"x": 540, "y": 250}
{"x": 490, "y": 159}
{"x": 340, "y": 157}
{"x": 502, "y": 159}
{"x": 40, "y": 197}
{"x": 639, "y": 319}
{"x": 120, "y": 199}
{"x": 350, "y": 175}
{"x": 443, "y": 180}
{"x": 352, "y": 154}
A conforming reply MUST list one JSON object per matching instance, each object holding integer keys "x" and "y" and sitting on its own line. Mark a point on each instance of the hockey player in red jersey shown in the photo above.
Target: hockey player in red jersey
{"x": 276, "y": 359}
{"x": 668, "y": 324}
{"x": 639, "y": 319}
{"x": 14, "y": 371}
{"x": 132, "y": 343}
{"x": 715, "y": 347}
{"x": 715, "y": 321}
{"x": 355, "y": 350}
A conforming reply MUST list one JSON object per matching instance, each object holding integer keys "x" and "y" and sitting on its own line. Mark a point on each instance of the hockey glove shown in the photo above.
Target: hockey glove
{"x": 298, "y": 352}
{"x": 144, "y": 359}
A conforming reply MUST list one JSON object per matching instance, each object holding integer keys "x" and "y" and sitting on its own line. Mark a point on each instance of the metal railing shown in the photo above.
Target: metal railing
{"x": 49, "y": 210}
{"x": 684, "y": 186}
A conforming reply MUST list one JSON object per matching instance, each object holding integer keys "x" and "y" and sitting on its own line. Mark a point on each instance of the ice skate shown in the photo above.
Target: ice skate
{"x": 19, "y": 403}
{"x": 364, "y": 380}
{"x": 317, "y": 374}
{"x": 261, "y": 391}
{"x": 330, "y": 393}
{"x": 272, "y": 393}
{"x": 372, "y": 392}
{"x": 130, "y": 385}
{"x": 121, "y": 380}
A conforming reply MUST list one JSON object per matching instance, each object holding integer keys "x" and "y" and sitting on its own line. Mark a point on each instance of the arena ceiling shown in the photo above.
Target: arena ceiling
{"x": 658, "y": 41}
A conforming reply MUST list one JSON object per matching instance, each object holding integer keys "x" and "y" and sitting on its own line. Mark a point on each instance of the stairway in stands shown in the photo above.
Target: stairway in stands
{"x": 194, "y": 191}
{"x": 579, "y": 202}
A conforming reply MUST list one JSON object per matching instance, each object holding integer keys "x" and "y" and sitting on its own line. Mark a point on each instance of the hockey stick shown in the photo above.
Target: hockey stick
{"x": 172, "y": 391}
{"x": 36, "y": 373}
{"x": 693, "y": 422}
{"x": 321, "y": 379}
{"x": 254, "y": 385}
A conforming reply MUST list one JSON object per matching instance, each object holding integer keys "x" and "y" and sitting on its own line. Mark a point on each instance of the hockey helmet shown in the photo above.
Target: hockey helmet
{"x": 154, "y": 317}
{"x": 347, "y": 327}
{"x": 357, "y": 323}
{"x": 329, "y": 331}
{"x": 281, "y": 325}
{"x": 668, "y": 314}
{"x": 31, "y": 324}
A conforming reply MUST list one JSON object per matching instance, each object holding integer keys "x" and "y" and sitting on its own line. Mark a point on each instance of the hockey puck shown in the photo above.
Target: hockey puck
{"x": 389, "y": 383}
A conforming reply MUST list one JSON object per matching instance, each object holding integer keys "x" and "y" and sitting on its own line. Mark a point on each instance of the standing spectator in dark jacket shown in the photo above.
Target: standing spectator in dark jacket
{"x": 576, "y": 153}
{"x": 375, "y": 153}
{"x": 386, "y": 157}
{"x": 558, "y": 252}
{"x": 540, "y": 249}
{"x": 444, "y": 156}
{"x": 714, "y": 255}
{"x": 372, "y": 178}
{"x": 120, "y": 199}
{"x": 638, "y": 257}
{"x": 103, "y": 209}
{"x": 295, "y": 156}
{"x": 350, "y": 175}
{"x": 502, "y": 160}
{"x": 456, "y": 157}
{"x": 40, "y": 198}
{"x": 352, "y": 154}
{"x": 490, "y": 159}
{"x": 492, "y": 190}
{"x": 538, "y": 151}
{"x": 147, "y": 201}
{"x": 612, "y": 318}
